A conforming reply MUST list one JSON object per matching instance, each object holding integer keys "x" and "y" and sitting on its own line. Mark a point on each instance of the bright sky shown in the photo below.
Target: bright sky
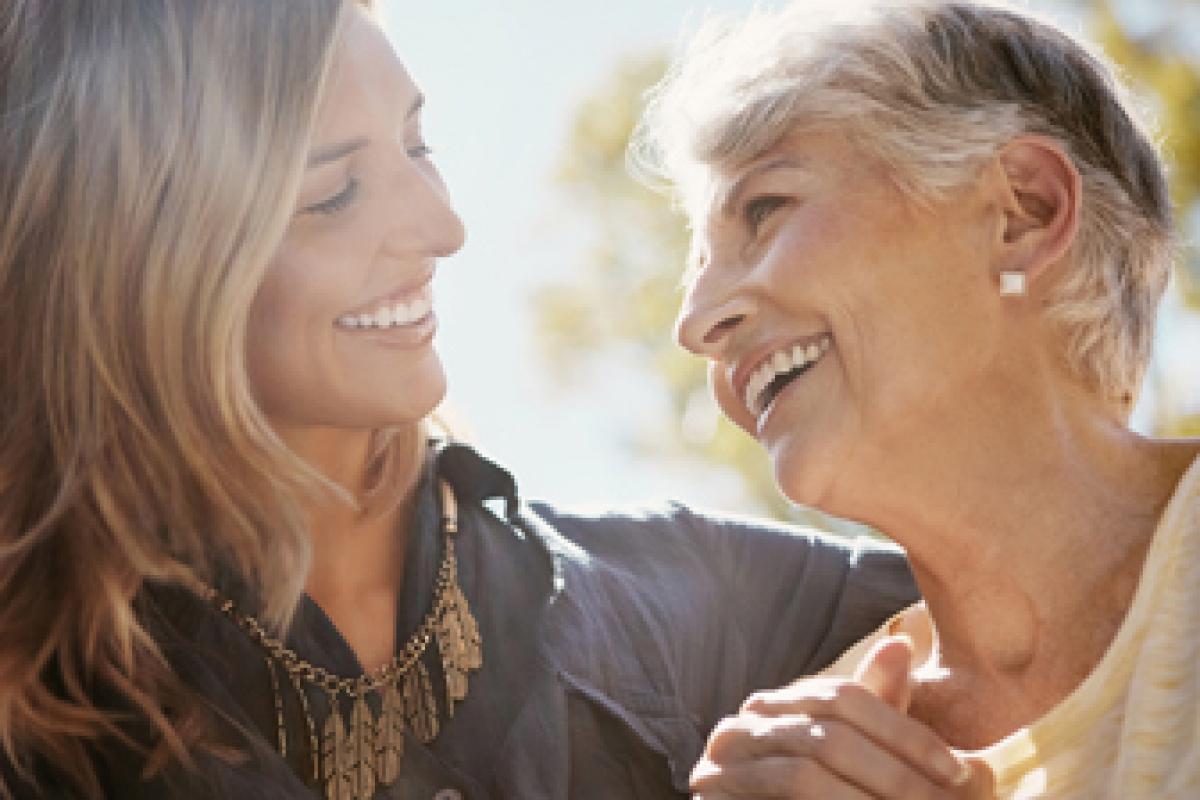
{"x": 503, "y": 80}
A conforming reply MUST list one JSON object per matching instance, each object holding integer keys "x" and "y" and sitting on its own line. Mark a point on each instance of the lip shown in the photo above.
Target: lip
{"x": 740, "y": 376}
{"x": 407, "y": 291}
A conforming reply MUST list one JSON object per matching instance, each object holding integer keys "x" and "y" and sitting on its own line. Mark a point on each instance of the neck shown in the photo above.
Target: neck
{"x": 1027, "y": 529}
{"x": 358, "y": 546}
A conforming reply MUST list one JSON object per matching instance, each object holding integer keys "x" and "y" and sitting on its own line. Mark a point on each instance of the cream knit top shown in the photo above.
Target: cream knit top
{"x": 1131, "y": 729}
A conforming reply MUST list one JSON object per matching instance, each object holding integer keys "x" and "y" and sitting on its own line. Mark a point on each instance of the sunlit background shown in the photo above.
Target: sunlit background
{"x": 555, "y": 316}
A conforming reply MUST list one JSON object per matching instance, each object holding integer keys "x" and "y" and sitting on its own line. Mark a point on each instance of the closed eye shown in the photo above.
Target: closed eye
{"x": 758, "y": 209}
{"x": 336, "y": 203}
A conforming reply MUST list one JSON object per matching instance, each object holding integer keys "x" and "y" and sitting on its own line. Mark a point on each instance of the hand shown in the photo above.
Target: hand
{"x": 834, "y": 738}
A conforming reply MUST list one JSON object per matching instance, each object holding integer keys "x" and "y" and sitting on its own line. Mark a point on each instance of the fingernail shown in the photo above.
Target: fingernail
{"x": 704, "y": 770}
{"x": 952, "y": 769}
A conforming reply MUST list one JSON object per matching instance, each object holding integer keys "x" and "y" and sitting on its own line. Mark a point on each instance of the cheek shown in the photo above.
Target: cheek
{"x": 806, "y": 256}
{"x": 289, "y": 325}
{"x": 287, "y": 300}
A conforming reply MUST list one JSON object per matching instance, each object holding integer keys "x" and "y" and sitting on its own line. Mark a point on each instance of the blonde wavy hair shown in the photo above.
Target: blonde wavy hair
{"x": 932, "y": 89}
{"x": 150, "y": 153}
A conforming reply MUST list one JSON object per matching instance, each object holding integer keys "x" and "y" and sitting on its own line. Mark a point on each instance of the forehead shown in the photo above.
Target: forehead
{"x": 367, "y": 78}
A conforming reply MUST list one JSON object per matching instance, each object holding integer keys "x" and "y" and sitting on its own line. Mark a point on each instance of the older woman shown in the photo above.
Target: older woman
{"x": 230, "y": 567}
{"x": 929, "y": 241}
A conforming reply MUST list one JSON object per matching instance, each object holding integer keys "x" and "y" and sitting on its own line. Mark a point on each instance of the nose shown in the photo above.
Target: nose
{"x": 713, "y": 309}
{"x": 425, "y": 220}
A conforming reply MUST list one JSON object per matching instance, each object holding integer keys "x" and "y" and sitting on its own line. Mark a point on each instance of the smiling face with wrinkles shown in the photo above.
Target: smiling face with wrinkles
{"x": 842, "y": 321}
{"x": 340, "y": 332}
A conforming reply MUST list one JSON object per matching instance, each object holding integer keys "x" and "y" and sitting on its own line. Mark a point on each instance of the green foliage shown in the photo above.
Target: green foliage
{"x": 1184, "y": 426}
{"x": 626, "y": 297}
{"x": 1161, "y": 72}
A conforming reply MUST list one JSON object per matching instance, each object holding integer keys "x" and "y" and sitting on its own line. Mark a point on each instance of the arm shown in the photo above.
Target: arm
{"x": 740, "y": 605}
{"x": 800, "y": 596}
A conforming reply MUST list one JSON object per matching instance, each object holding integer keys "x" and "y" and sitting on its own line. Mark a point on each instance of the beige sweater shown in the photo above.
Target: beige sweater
{"x": 1131, "y": 730}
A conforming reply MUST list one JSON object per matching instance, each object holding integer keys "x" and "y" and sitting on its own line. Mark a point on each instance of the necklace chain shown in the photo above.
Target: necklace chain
{"x": 351, "y": 762}
{"x": 332, "y": 683}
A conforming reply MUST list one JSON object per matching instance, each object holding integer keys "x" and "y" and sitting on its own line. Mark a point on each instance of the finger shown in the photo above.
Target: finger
{"x": 749, "y": 736}
{"x": 788, "y": 777}
{"x": 886, "y": 671}
{"x": 843, "y": 750}
{"x": 832, "y": 699}
{"x": 839, "y": 747}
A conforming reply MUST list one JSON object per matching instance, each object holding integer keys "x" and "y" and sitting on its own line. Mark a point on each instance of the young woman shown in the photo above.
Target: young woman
{"x": 231, "y": 565}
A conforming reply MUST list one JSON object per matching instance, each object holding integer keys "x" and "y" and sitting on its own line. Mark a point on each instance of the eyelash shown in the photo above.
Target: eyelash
{"x": 337, "y": 202}
{"x": 343, "y": 198}
{"x": 756, "y": 210}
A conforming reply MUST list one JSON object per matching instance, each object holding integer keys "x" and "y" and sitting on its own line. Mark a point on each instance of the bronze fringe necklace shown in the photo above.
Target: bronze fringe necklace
{"x": 349, "y": 762}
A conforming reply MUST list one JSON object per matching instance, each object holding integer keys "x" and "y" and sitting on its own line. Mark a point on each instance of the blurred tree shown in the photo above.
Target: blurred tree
{"x": 625, "y": 298}
{"x": 1157, "y": 45}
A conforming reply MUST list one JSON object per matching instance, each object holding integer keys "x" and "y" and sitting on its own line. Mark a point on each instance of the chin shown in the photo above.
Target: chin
{"x": 416, "y": 399}
{"x": 402, "y": 397}
{"x": 802, "y": 469}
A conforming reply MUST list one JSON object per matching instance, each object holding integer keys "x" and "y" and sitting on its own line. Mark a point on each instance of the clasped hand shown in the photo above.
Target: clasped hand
{"x": 835, "y": 738}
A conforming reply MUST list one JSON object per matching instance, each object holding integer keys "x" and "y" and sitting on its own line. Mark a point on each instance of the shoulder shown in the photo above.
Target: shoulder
{"x": 732, "y": 548}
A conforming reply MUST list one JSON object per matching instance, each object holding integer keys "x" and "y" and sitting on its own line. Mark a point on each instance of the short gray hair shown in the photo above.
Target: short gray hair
{"x": 933, "y": 89}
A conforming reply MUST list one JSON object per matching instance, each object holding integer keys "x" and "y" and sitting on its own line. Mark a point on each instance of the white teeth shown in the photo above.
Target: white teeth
{"x": 781, "y": 362}
{"x": 391, "y": 316}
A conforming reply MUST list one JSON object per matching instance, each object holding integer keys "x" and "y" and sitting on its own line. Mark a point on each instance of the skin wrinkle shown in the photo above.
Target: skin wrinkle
{"x": 902, "y": 451}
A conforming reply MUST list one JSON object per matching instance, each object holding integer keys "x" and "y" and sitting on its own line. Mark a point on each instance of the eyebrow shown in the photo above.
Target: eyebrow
{"x": 729, "y": 198}
{"x": 333, "y": 152}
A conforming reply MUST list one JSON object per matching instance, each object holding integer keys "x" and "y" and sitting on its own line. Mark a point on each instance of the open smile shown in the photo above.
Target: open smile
{"x": 401, "y": 309}
{"x": 764, "y": 378}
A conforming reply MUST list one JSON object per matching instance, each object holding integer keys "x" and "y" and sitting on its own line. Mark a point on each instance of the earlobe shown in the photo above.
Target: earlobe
{"x": 1042, "y": 190}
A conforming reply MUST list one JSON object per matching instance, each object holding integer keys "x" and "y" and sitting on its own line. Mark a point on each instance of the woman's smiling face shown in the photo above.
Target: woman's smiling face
{"x": 841, "y": 320}
{"x": 340, "y": 331}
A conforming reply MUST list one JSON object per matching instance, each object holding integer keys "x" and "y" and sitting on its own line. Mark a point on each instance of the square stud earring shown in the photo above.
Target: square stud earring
{"x": 1012, "y": 284}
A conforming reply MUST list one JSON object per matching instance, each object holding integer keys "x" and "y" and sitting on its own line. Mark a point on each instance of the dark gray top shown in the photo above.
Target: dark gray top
{"x": 612, "y": 644}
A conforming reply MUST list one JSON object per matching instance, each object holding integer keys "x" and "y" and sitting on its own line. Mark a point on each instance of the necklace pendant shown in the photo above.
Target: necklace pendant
{"x": 458, "y": 644}
{"x": 420, "y": 706}
{"x": 389, "y": 742}
{"x": 348, "y": 756}
{"x": 361, "y": 743}
{"x": 335, "y": 772}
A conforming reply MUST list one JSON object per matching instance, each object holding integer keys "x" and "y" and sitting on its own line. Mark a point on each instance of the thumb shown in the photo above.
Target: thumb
{"x": 980, "y": 783}
{"x": 885, "y": 671}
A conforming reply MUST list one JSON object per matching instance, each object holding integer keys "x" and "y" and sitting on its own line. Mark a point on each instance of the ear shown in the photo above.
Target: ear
{"x": 1041, "y": 192}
